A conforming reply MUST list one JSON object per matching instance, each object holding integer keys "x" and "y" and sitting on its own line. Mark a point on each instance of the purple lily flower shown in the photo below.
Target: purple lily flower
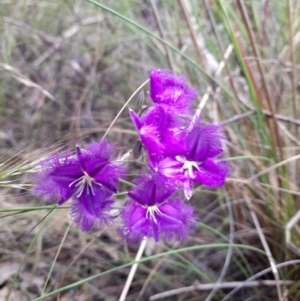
{"x": 157, "y": 133}
{"x": 89, "y": 177}
{"x": 171, "y": 90}
{"x": 154, "y": 211}
{"x": 161, "y": 124}
{"x": 196, "y": 164}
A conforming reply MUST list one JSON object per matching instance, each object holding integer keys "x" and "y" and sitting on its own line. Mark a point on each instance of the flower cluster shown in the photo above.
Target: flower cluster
{"x": 89, "y": 178}
{"x": 181, "y": 151}
{"x": 179, "y": 147}
{"x": 154, "y": 210}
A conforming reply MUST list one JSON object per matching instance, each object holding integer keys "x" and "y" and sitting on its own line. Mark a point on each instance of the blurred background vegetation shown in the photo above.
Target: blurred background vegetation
{"x": 68, "y": 67}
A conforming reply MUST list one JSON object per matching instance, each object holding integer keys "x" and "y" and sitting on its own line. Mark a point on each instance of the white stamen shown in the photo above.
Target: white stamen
{"x": 80, "y": 191}
{"x": 77, "y": 181}
{"x": 82, "y": 182}
{"x": 188, "y": 166}
{"x": 151, "y": 211}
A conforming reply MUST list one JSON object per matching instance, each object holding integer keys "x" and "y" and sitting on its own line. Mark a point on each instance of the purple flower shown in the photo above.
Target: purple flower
{"x": 89, "y": 177}
{"x": 173, "y": 91}
{"x": 154, "y": 211}
{"x": 158, "y": 134}
{"x": 196, "y": 163}
{"x": 94, "y": 209}
{"x": 160, "y": 125}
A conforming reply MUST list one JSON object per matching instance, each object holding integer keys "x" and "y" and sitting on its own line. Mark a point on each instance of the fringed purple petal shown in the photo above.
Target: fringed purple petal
{"x": 159, "y": 132}
{"x": 212, "y": 174}
{"x": 135, "y": 119}
{"x": 96, "y": 162}
{"x": 203, "y": 142}
{"x": 102, "y": 150}
{"x": 162, "y": 117}
{"x": 152, "y": 189}
{"x": 166, "y": 88}
{"x": 109, "y": 176}
{"x": 135, "y": 224}
{"x": 177, "y": 220}
{"x": 95, "y": 157}
{"x": 64, "y": 175}
{"x": 157, "y": 82}
{"x": 171, "y": 168}
{"x": 81, "y": 154}
{"x": 152, "y": 140}
{"x": 161, "y": 141}
{"x": 55, "y": 180}
{"x": 92, "y": 208}
{"x": 173, "y": 219}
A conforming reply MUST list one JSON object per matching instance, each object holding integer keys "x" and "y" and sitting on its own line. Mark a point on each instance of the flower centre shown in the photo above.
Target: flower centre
{"x": 84, "y": 181}
{"x": 151, "y": 211}
{"x": 187, "y": 166}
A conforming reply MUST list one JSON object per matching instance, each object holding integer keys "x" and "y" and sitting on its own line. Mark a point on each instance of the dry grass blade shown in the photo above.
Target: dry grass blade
{"x": 124, "y": 106}
{"x": 260, "y": 274}
{"x": 290, "y": 224}
{"x": 277, "y": 116}
{"x": 288, "y": 133}
{"x": 133, "y": 269}
{"x": 192, "y": 31}
{"x": 265, "y": 246}
{"x": 38, "y": 34}
{"x": 162, "y": 34}
{"x": 22, "y": 238}
{"x": 64, "y": 36}
{"x": 229, "y": 252}
{"x": 16, "y": 74}
{"x": 209, "y": 89}
{"x": 153, "y": 272}
{"x": 267, "y": 170}
{"x": 272, "y": 123}
{"x": 224, "y": 285}
{"x": 292, "y": 57}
